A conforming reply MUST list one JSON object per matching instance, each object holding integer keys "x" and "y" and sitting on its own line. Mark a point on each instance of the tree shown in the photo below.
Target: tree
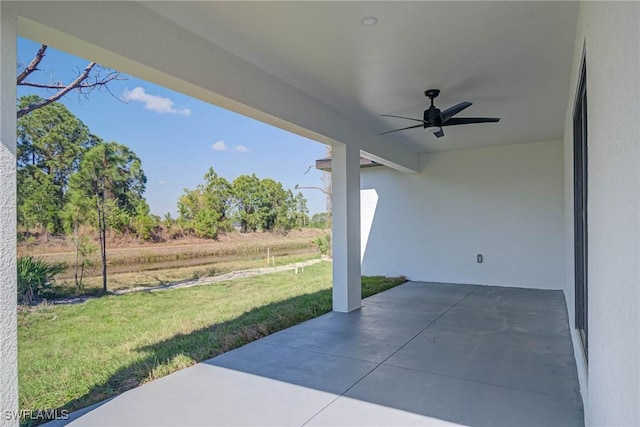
{"x": 326, "y": 187}
{"x": 253, "y": 203}
{"x": 111, "y": 175}
{"x": 92, "y": 77}
{"x": 145, "y": 225}
{"x": 219, "y": 197}
{"x": 37, "y": 206}
{"x": 247, "y": 198}
{"x": 196, "y": 216}
{"x": 205, "y": 210}
{"x": 302, "y": 210}
{"x": 265, "y": 204}
{"x": 51, "y": 142}
{"x": 276, "y": 206}
{"x": 170, "y": 226}
{"x": 77, "y": 211}
{"x": 320, "y": 220}
{"x": 53, "y": 139}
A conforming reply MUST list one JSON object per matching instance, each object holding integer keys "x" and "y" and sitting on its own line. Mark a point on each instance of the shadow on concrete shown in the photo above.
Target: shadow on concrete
{"x": 419, "y": 353}
{"x": 206, "y": 343}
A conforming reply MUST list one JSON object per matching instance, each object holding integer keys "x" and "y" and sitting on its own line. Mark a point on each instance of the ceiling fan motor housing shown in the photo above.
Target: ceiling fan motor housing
{"x": 432, "y": 117}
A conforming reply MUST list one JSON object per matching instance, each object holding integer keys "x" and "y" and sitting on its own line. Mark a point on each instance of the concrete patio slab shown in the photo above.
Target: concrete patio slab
{"x": 418, "y": 294}
{"x": 463, "y": 402}
{"x": 488, "y": 334}
{"x": 418, "y": 354}
{"x": 346, "y": 411}
{"x": 371, "y": 334}
{"x": 367, "y": 344}
{"x": 207, "y": 395}
{"x": 517, "y": 300}
{"x": 552, "y": 375}
{"x": 308, "y": 369}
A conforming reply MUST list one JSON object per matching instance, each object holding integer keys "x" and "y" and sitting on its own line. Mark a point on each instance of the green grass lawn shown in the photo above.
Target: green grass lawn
{"x": 75, "y": 355}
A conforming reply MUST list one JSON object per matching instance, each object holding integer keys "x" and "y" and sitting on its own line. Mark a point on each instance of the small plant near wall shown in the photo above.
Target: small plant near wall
{"x": 35, "y": 278}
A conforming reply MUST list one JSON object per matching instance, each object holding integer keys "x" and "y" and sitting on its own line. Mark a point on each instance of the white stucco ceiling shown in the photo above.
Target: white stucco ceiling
{"x": 511, "y": 59}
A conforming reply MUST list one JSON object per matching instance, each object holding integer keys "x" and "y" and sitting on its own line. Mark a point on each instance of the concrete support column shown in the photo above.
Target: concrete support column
{"x": 345, "y": 187}
{"x": 8, "y": 280}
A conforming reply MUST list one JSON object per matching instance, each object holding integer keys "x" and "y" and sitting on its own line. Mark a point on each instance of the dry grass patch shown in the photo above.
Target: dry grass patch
{"x": 119, "y": 281}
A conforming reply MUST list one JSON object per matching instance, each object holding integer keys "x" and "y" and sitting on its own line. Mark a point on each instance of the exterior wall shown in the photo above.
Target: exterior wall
{"x": 8, "y": 311}
{"x": 611, "y": 385}
{"x": 505, "y": 203}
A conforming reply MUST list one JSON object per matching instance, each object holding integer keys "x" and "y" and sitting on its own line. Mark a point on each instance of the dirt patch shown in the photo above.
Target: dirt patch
{"x": 298, "y": 266}
{"x": 180, "y": 252}
{"x": 224, "y": 277}
{"x": 63, "y": 245}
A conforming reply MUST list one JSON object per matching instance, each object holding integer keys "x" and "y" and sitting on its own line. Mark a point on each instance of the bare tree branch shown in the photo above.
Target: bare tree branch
{"x": 33, "y": 66}
{"x": 58, "y": 86}
{"x": 299, "y": 187}
{"x": 91, "y": 78}
{"x": 53, "y": 98}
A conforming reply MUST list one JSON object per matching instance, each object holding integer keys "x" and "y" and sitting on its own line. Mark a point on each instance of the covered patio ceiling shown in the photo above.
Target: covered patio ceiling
{"x": 511, "y": 59}
{"x": 314, "y": 69}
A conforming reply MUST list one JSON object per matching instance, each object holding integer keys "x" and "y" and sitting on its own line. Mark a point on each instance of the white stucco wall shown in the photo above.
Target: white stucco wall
{"x": 8, "y": 313}
{"x": 611, "y": 387}
{"x": 505, "y": 203}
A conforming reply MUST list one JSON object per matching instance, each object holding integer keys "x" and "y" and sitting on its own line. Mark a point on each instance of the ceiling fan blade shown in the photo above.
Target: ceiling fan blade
{"x": 401, "y": 117}
{"x": 439, "y": 134}
{"x": 396, "y": 130}
{"x": 469, "y": 120}
{"x": 450, "y": 112}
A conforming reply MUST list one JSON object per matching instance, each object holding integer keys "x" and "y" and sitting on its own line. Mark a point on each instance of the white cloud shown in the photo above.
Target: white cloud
{"x": 162, "y": 182}
{"x": 241, "y": 148}
{"x": 156, "y": 103}
{"x": 219, "y": 145}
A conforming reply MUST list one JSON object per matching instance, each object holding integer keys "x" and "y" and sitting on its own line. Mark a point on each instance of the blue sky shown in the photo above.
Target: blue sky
{"x": 178, "y": 137}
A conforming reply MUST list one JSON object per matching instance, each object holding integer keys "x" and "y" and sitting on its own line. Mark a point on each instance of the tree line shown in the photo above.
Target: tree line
{"x": 72, "y": 183}
{"x": 69, "y": 178}
{"x": 246, "y": 204}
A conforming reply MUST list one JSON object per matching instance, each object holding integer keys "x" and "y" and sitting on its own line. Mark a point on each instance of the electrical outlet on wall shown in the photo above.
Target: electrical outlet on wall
{"x": 480, "y": 258}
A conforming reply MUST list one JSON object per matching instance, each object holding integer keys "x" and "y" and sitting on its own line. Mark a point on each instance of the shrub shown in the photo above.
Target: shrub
{"x": 35, "y": 278}
{"x": 323, "y": 243}
{"x": 146, "y": 226}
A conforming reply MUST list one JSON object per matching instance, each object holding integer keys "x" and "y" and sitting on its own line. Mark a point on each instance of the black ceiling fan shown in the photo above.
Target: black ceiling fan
{"x": 434, "y": 119}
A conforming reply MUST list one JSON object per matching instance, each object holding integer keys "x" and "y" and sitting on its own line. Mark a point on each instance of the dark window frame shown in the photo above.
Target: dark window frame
{"x": 580, "y": 175}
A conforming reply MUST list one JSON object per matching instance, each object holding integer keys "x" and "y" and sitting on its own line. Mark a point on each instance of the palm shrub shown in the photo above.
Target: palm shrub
{"x": 35, "y": 278}
{"x": 323, "y": 243}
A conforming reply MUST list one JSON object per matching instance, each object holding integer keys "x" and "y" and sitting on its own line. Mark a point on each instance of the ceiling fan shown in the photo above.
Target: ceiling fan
{"x": 434, "y": 119}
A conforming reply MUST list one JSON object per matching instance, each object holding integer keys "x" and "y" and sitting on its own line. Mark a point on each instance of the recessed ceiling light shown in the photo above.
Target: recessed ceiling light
{"x": 369, "y": 21}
